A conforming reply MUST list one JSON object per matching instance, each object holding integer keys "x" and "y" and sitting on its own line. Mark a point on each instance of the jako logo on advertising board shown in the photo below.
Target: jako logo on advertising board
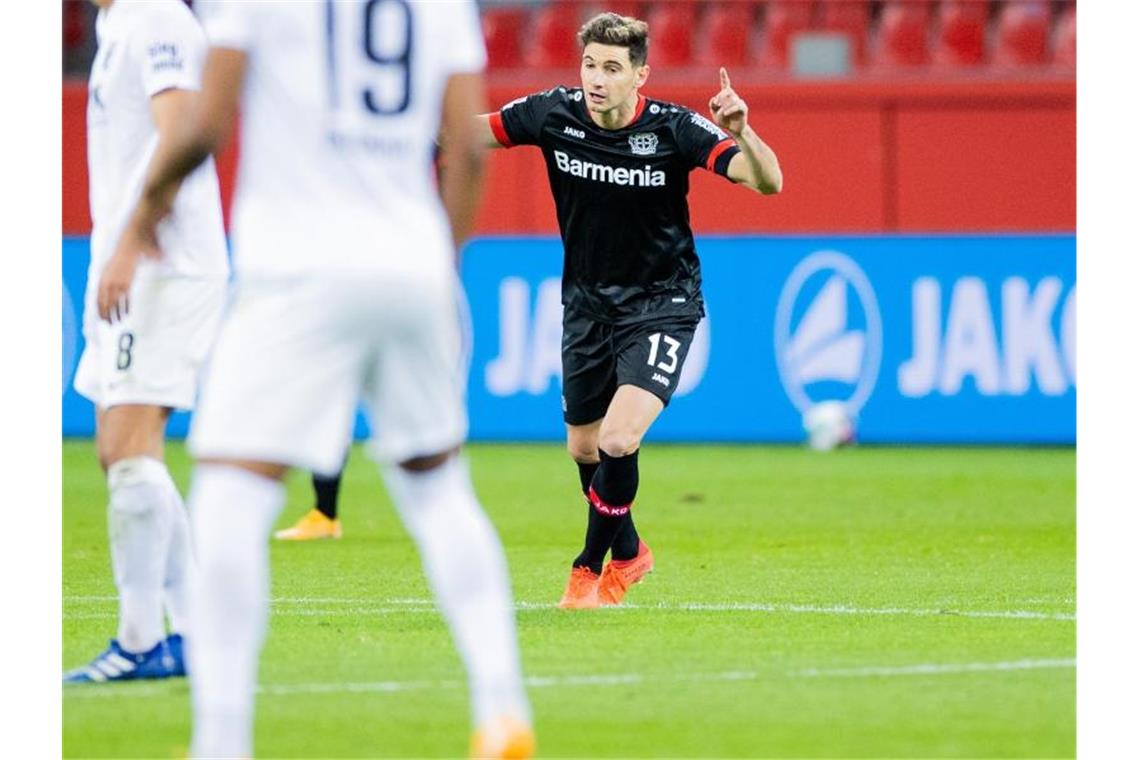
{"x": 828, "y": 333}
{"x": 961, "y": 339}
{"x": 1001, "y": 359}
{"x": 530, "y": 342}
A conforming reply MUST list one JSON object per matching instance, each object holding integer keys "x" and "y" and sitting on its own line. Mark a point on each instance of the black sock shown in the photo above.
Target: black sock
{"x": 327, "y": 490}
{"x": 613, "y": 488}
{"x": 627, "y": 542}
{"x": 586, "y": 472}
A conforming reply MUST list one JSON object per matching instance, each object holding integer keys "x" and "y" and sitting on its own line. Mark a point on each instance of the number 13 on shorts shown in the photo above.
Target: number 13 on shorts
{"x": 669, "y": 363}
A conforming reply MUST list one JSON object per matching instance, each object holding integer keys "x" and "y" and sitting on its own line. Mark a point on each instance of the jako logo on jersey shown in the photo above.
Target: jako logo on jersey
{"x": 659, "y": 378}
{"x": 644, "y": 144}
{"x": 574, "y": 133}
{"x": 828, "y": 346}
{"x": 647, "y": 177}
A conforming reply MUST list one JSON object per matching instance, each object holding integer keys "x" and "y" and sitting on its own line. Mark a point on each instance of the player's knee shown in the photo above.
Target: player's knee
{"x": 126, "y": 432}
{"x": 109, "y": 451}
{"x": 619, "y": 442}
{"x": 114, "y": 449}
{"x": 582, "y": 451}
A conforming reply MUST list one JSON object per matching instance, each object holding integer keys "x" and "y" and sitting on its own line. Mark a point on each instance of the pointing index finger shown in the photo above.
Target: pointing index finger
{"x": 724, "y": 83}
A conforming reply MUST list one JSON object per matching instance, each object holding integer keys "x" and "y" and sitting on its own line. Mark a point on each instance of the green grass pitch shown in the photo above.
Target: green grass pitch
{"x": 873, "y": 602}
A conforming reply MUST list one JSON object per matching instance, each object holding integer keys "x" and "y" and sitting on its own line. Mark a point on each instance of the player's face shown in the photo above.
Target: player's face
{"x": 609, "y": 77}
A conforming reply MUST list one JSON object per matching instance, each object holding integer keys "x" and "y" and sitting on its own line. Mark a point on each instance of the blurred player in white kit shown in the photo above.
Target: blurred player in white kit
{"x": 344, "y": 253}
{"x": 143, "y": 360}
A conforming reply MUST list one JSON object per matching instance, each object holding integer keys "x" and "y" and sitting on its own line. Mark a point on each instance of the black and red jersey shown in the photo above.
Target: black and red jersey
{"x": 621, "y": 200}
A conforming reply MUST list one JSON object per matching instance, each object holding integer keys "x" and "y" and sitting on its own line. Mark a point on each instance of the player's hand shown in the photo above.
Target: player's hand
{"x": 113, "y": 299}
{"x": 729, "y": 111}
{"x": 115, "y": 287}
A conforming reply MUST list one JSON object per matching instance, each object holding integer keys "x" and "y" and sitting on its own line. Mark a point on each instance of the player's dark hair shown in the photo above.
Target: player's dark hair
{"x": 620, "y": 31}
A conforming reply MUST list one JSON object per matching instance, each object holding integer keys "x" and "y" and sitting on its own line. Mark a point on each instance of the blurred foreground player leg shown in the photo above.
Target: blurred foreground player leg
{"x": 618, "y": 165}
{"x": 345, "y": 290}
{"x": 141, "y": 359}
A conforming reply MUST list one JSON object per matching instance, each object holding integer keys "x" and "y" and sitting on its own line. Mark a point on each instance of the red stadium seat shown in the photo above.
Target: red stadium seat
{"x": 725, "y": 39}
{"x": 960, "y": 36}
{"x": 1023, "y": 34}
{"x": 554, "y": 41}
{"x": 1065, "y": 38}
{"x": 632, "y": 8}
{"x": 74, "y": 25}
{"x": 502, "y": 29}
{"x": 671, "y": 34}
{"x": 851, "y": 17}
{"x": 782, "y": 20}
{"x": 903, "y": 37}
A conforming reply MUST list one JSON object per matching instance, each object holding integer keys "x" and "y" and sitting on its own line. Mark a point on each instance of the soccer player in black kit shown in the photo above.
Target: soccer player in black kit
{"x": 619, "y": 165}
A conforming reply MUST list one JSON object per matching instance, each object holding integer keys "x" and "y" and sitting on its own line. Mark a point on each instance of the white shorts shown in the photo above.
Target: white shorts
{"x": 155, "y": 354}
{"x": 296, "y": 356}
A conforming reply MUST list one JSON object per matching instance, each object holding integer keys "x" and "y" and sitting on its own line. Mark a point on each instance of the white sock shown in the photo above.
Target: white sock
{"x": 179, "y": 557}
{"x": 138, "y": 523}
{"x": 467, "y": 571}
{"x": 231, "y": 514}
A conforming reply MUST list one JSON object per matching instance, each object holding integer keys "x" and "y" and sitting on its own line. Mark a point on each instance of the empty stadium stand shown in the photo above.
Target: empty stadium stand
{"x": 960, "y": 33}
{"x": 998, "y": 38}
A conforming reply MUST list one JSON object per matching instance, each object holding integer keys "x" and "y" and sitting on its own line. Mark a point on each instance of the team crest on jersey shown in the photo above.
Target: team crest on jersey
{"x": 643, "y": 144}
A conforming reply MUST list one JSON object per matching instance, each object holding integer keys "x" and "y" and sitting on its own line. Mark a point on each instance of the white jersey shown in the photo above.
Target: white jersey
{"x": 340, "y": 113}
{"x": 145, "y": 47}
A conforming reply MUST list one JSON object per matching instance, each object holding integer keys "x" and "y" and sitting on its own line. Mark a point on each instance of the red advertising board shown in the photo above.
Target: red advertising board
{"x": 857, "y": 156}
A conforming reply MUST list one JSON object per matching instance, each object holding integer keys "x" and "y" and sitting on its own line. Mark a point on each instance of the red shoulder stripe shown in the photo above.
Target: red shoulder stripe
{"x": 719, "y": 148}
{"x": 499, "y": 131}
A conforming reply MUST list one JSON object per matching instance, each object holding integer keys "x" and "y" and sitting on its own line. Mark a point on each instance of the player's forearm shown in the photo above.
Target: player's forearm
{"x": 204, "y": 125}
{"x": 485, "y": 132}
{"x": 760, "y": 163}
{"x": 462, "y": 178}
{"x": 173, "y": 160}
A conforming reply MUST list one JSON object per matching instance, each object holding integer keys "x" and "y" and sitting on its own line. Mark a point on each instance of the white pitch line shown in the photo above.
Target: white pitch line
{"x": 936, "y": 669}
{"x": 847, "y": 610}
{"x": 614, "y": 679}
{"x": 402, "y": 606}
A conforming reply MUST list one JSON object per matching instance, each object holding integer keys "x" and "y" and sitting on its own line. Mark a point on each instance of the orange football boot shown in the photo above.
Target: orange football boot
{"x": 503, "y": 739}
{"x": 313, "y": 525}
{"x": 581, "y": 590}
{"x": 618, "y": 575}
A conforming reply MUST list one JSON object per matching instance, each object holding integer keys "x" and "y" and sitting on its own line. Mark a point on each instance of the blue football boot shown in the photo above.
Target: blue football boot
{"x": 174, "y": 644}
{"x": 117, "y": 664}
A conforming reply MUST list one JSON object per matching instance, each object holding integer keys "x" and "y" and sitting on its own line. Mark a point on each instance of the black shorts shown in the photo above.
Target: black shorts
{"x": 598, "y": 357}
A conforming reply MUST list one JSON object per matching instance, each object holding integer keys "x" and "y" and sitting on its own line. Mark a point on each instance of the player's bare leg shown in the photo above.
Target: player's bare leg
{"x": 467, "y": 572}
{"x": 149, "y": 543}
{"x": 610, "y": 489}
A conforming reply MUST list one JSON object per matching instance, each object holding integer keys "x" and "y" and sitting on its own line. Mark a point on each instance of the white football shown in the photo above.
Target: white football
{"x": 828, "y": 426}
